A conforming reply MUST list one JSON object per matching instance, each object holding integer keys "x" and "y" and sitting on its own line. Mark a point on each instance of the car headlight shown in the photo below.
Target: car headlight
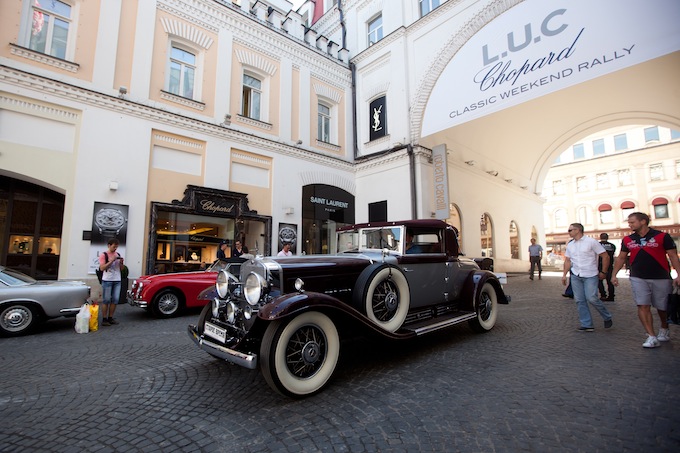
{"x": 225, "y": 283}
{"x": 230, "y": 312}
{"x": 254, "y": 288}
{"x": 215, "y": 307}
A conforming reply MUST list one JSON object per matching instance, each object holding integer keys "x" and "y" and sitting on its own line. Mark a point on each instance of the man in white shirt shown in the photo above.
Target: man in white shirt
{"x": 581, "y": 261}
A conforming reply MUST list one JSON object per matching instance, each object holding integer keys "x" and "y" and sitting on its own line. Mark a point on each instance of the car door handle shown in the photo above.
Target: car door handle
{"x": 406, "y": 269}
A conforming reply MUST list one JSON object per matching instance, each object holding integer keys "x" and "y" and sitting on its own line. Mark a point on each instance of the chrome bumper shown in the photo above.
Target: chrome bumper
{"x": 239, "y": 358}
{"x": 134, "y": 302}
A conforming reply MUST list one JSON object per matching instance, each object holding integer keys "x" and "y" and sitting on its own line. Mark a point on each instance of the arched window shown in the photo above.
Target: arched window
{"x": 251, "y": 102}
{"x": 514, "y": 240}
{"x": 182, "y": 71}
{"x": 324, "y": 123}
{"x": 455, "y": 220}
{"x": 584, "y": 215}
{"x": 660, "y": 208}
{"x": 606, "y": 213}
{"x": 486, "y": 230}
{"x": 627, "y": 208}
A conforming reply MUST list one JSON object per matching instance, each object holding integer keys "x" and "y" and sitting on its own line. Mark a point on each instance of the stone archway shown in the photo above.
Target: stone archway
{"x": 518, "y": 143}
{"x": 509, "y": 151}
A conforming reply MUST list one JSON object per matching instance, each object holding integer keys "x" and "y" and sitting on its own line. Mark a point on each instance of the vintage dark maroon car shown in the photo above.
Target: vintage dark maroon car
{"x": 397, "y": 280}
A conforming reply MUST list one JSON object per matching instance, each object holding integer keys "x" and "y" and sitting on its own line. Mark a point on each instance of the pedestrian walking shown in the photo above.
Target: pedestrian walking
{"x": 607, "y": 296}
{"x": 650, "y": 277}
{"x": 581, "y": 263}
{"x": 535, "y": 257}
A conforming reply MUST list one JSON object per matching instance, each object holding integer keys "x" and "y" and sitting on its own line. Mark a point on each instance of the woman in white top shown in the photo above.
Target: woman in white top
{"x": 110, "y": 263}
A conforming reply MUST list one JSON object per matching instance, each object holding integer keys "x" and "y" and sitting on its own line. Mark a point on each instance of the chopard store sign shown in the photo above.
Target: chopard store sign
{"x": 216, "y": 206}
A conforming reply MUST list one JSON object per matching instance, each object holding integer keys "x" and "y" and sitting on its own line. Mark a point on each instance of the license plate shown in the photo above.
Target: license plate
{"x": 215, "y": 332}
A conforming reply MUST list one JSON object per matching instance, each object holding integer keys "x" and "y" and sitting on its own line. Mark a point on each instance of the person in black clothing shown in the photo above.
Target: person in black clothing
{"x": 607, "y": 296}
{"x": 221, "y": 255}
{"x": 238, "y": 249}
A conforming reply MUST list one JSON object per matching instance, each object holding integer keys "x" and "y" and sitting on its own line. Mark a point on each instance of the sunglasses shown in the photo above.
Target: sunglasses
{"x": 572, "y": 229}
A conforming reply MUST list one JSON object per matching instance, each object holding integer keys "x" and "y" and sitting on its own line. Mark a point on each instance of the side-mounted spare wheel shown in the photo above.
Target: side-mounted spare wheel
{"x": 486, "y": 307}
{"x": 298, "y": 356}
{"x": 382, "y": 293}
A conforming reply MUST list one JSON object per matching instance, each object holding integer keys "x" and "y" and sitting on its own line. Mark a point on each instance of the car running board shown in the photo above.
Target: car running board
{"x": 440, "y": 322}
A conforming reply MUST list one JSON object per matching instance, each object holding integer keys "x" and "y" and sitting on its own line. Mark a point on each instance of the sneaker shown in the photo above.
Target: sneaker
{"x": 651, "y": 342}
{"x": 608, "y": 323}
{"x": 105, "y": 322}
{"x": 585, "y": 329}
{"x": 664, "y": 335}
{"x": 112, "y": 321}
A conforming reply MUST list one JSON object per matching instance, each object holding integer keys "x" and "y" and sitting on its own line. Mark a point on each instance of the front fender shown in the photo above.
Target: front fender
{"x": 284, "y": 306}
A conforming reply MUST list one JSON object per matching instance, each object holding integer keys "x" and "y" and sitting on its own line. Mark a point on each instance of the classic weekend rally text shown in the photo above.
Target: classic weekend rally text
{"x": 502, "y": 73}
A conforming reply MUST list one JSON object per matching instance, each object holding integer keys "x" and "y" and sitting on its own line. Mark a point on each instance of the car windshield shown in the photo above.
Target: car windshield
{"x": 370, "y": 239}
{"x": 348, "y": 241}
{"x": 13, "y": 278}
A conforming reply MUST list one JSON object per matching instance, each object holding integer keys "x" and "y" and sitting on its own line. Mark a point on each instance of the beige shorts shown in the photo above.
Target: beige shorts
{"x": 651, "y": 292}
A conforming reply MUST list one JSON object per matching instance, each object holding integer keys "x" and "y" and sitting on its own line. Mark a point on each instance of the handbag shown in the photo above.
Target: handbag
{"x": 673, "y": 309}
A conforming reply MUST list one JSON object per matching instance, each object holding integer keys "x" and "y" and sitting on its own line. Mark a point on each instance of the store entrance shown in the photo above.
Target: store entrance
{"x": 30, "y": 228}
{"x": 324, "y": 209}
{"x": 185, "y": 236}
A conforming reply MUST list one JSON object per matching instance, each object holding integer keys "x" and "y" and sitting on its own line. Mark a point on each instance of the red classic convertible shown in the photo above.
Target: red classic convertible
{"x": 167, "y": 295}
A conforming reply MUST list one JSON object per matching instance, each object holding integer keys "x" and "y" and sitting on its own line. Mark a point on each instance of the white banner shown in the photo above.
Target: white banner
{"x": 542, "y": 46}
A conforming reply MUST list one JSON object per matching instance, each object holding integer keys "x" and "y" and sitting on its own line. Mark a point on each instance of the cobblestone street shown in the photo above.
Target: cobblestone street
{"x": 532, "y": 384}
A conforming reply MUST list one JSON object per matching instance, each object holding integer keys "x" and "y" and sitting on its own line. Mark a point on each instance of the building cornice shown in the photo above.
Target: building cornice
{"x": 380, "y": 46}
{"x": 73, "y": 94}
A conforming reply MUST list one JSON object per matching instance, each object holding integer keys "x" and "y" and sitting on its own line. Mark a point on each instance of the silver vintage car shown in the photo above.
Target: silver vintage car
{"x": 396, "y": 280}
{"x": 25, "y": 302}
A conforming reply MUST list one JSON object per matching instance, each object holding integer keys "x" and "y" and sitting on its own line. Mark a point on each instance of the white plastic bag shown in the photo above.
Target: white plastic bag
{"x": 83, "y": 319}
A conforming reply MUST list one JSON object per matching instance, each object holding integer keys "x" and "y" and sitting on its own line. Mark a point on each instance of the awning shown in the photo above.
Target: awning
{"x": 658, "y": 201}
{"x": 605, "y": 207}
{"x": 627, "y": 205}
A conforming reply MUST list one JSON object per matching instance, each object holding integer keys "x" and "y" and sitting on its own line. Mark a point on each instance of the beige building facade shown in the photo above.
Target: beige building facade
{"x": 603, "y": 178}
{"x": 175, "y": 124}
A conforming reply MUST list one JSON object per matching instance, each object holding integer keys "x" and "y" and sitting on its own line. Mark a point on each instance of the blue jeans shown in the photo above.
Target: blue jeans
{"x": 111, "y": 292}
{"x": 585, "y": 291}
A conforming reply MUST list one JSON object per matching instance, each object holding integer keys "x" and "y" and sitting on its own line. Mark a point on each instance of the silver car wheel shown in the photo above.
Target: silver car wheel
{"x": 167, "y": 304}
{"x": 16, "y": 319}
